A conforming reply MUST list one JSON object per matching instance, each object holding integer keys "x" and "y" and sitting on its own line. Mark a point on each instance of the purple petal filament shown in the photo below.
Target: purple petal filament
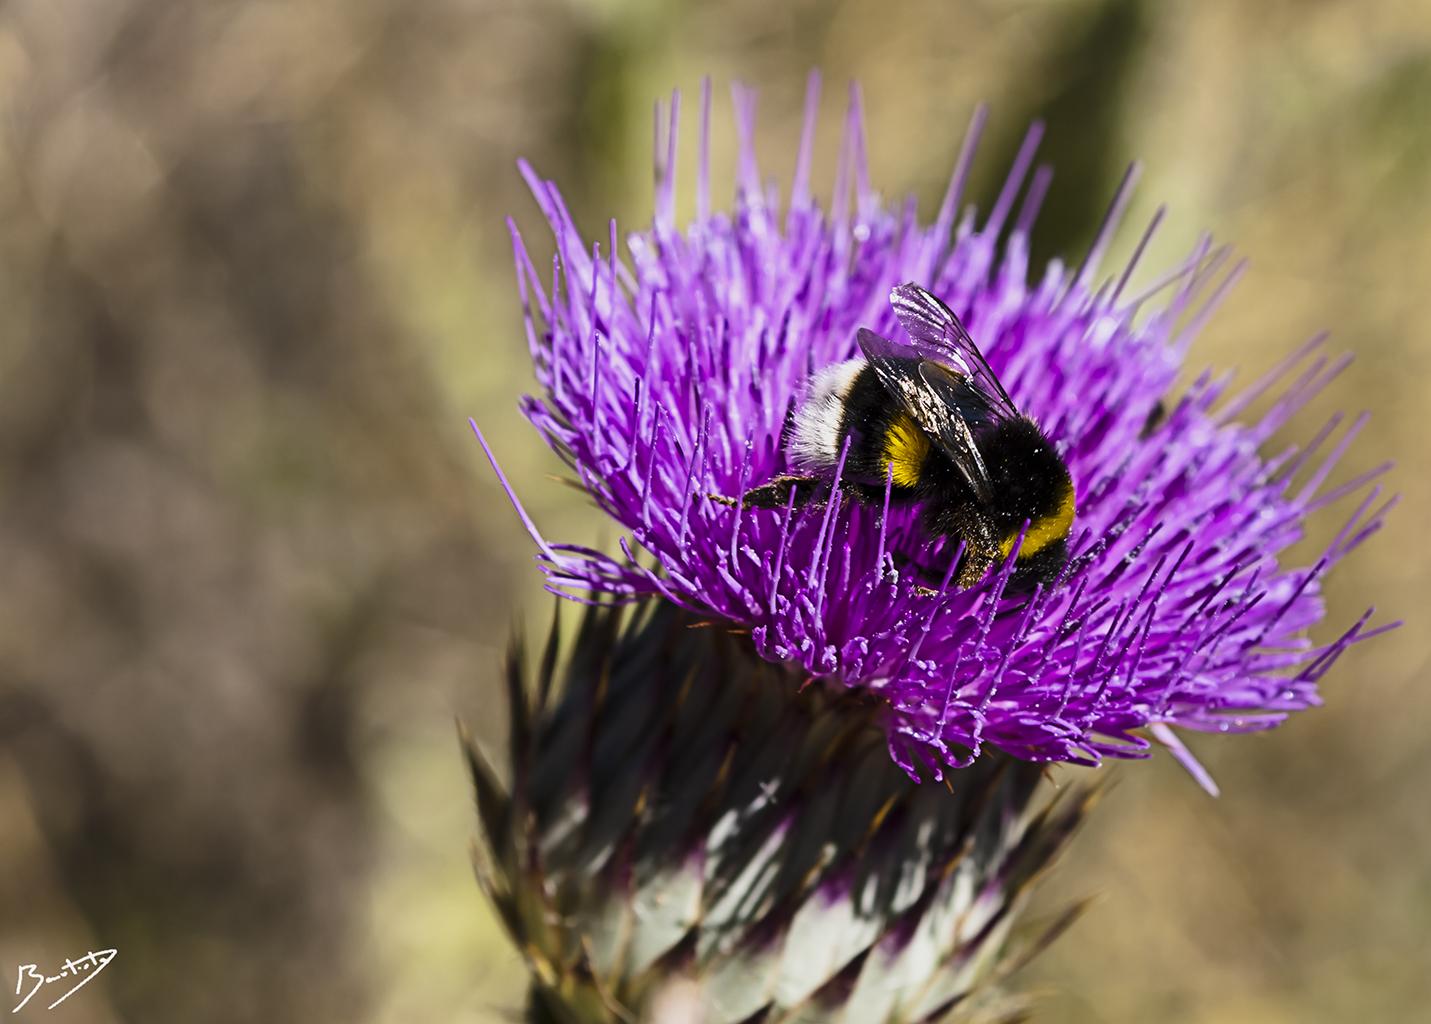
{"x": 667, "y": 372}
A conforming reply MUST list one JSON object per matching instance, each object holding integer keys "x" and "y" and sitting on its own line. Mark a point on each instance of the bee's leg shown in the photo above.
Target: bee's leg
{"x": 973, "y": 567}
{"x": 872, "y": 495}
{"x": 972, "y": 525}
{"x": 776, "y": 494}
{"x": 928, "y": 579}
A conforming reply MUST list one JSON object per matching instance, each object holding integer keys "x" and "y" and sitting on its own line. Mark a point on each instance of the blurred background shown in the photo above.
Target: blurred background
{"x": 254, "y": 276}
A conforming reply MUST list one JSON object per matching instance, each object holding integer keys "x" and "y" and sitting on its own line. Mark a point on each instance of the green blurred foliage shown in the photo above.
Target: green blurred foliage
{"x": 254, "y": 276}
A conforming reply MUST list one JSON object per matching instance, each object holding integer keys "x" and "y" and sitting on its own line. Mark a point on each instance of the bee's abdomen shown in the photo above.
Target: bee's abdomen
{"x": 885, "y": 442}
{"x": 817, "y": 431}
{"x": 904, "y": 452}
{"x": 847, "y": 404}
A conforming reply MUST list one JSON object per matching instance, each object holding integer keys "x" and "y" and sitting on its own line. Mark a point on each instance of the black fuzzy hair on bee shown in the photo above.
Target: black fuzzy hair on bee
{"x": 931, "y": 424}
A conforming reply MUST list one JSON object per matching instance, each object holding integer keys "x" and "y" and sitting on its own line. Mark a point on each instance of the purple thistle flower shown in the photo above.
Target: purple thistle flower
{"x": 668, "y": 372}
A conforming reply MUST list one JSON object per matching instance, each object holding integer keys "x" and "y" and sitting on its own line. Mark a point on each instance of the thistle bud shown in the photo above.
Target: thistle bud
{"x": 684, "y": 831}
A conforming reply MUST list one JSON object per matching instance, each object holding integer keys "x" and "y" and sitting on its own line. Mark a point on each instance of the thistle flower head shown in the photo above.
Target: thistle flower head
{"x": 668, "y": 368}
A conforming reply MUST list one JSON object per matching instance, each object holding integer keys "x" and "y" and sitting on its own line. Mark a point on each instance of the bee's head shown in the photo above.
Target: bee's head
{"x": 1043, "y": 566}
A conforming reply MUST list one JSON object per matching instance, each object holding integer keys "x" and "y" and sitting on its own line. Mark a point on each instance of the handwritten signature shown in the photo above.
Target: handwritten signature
{"x": 85, "y": 968}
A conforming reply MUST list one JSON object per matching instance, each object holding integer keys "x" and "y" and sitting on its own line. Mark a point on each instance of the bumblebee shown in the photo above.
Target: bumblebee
{"x": 931, "y": 425}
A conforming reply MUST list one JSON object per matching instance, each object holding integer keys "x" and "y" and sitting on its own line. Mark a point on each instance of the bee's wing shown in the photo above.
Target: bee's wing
{"x": 960, "y": 393}
{"x": 900, "y": 371}
{"x": 937, "y": 332}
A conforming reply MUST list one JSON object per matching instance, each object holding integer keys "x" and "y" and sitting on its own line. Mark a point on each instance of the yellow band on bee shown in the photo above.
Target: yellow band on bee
{"x": 905, "y": 449}
{"x": 1045, "y": 530}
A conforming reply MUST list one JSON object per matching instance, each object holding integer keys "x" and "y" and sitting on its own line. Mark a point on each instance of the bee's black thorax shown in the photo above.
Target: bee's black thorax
{"x": 1030, "y": 480}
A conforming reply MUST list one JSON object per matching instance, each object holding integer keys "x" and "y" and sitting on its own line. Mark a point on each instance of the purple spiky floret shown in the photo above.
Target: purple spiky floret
{"x": 667, "y": 372}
